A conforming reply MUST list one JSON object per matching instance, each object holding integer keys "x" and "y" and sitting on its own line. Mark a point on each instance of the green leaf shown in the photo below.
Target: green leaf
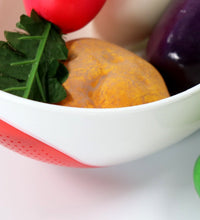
{"x": 196, "y": 176}
{"x": 62, "y": 73}
{"x": 30, "y": 62}
{"x": 8, "y": 56}
{"x": 59, "y": 94}
{"x": 55, "y": 92}
{"x": 7, "y": 85}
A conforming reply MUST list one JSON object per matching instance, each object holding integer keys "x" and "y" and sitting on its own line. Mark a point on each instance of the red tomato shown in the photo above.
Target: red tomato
{"x": 69, "y": 15}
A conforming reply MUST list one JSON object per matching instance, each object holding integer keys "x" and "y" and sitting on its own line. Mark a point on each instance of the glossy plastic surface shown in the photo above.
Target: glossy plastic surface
{"x": 104, "y": 137}
{"x": 26, "y": 145}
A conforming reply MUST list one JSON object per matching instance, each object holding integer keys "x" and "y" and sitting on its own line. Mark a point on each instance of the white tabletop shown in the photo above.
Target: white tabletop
{"x": 157, "y": 187}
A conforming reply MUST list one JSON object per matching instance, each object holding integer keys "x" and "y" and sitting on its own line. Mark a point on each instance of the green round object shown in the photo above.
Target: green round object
{"x": 196, "y": 175}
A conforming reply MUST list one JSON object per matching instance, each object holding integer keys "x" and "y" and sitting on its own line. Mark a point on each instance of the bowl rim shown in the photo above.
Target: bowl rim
{"x": 142, "y": 107}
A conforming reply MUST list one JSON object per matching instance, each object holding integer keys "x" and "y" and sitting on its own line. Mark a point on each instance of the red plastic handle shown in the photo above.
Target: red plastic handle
{"x": 25, "y": 144}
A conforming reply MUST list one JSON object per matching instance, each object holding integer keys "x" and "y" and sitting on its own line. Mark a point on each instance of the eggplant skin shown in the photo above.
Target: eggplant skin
{"x": 174, "y": 46}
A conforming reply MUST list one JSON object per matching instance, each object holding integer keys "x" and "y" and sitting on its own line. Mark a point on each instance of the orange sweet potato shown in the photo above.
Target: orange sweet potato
{"x": 103, "y": 75}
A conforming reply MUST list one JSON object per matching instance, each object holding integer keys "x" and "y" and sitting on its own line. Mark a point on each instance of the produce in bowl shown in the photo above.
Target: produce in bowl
{"x": 104, "y": 75}
{"x": 66, "y": 14}
{"x": 127, "y": 23}
{"x": 174, "y": 47}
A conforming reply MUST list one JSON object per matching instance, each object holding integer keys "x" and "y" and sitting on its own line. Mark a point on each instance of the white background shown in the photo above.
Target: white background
{"x": 157, "y": 187}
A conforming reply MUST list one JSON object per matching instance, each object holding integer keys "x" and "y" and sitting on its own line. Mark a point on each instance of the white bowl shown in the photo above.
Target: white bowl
{"x": 102, "y": 137}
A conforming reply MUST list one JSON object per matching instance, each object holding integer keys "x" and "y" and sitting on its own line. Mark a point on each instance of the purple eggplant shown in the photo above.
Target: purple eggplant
{"x": 174, "y": 46}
